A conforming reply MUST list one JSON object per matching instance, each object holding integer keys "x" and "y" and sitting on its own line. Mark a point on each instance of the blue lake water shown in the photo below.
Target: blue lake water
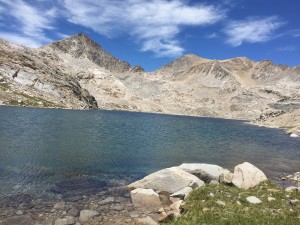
{"x": 41, "y": 148}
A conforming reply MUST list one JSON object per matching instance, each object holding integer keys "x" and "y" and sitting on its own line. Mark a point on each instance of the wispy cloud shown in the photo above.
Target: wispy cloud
{"x": 20, "y": 39}
{"x": 251, "y": 30}
{"x": 212, "y": 35}
{"x": 30, "y": 22}
{"x": 290, "y": 48}
{"x": 154, "y": 24}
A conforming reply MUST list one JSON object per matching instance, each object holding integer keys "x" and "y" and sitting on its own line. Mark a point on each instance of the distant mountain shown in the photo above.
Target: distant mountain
{"x": 80, "y": 46}
{"x": 77, "y": 73}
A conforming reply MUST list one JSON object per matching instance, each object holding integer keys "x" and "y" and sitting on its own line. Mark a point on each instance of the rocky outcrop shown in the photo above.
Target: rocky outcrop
{"x": 168, "y": 188}
{"x": 205, "y": 172}
{"x": 168, "y": 180}
{"x": 246, "y": 176}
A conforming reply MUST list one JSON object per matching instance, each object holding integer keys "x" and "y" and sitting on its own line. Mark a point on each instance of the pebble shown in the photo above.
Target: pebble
{"x": 19, "y": 212}
{"x": 220, "y": 203}
{"x": 107, "y": 201}
{"x": 270, "y": 199}
{"x": 253, "y": 200}
{"x": 128, "y": 220}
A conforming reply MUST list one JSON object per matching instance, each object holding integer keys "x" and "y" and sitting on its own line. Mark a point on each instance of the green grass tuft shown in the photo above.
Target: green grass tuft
{"x": 202, "y": 209}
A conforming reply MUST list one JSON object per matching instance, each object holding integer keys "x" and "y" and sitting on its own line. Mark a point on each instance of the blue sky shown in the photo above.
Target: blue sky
{"x": 152, "y": 33}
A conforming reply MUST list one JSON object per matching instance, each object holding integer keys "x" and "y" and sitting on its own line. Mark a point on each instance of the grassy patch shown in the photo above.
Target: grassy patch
{"x": 4, "y": 86}
{"x": 202, "y": 207}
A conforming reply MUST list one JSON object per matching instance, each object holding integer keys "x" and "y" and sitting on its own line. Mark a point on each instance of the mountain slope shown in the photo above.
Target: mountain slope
{"x": 78, "y": 73}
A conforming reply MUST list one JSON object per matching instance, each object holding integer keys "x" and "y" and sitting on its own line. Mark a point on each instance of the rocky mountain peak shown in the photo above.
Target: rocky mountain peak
{"x": 82, "y": 46}
{"x": 182, "y": 63}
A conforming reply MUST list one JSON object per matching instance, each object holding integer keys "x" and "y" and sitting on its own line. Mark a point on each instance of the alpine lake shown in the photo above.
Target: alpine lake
{"x": 52, "y": 155}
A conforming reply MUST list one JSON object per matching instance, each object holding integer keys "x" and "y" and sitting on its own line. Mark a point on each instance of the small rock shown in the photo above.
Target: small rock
{"x": 205, "y": 209}
{"x": 273, "y": 190}
{"x": 270, "y": 199}
{"x": 145, "y": 221}
{"x": 19, "y": 212}
{"x": 173, "y": 199}
{"x": 59, "y": 205}
{"x": 214, "y": 182}
{"x": 295, "y": 202}
{"x": 238, "y": 202}
{"x": 220, "y": 203}
{"x": 107, "y": 201}
{"x": 294, "y": 135}
{"x": 85, "y": 215}
{"x": 168, "y": 217}
{"x": 161, "y": 210}
{"x": 253, "y": 200}
{"x": 73, "y": 212}
{"x": 176, "y": 205}
{"x": 134, "y": 215}
{"x": 20, "y": 101}
{"x": 182, "y": 193}
{"x": 145, "y": 198}
{"x": 128, "y": 220}
{"x": 291, "y": 189}
{"x": 211, "y": 195}
{"x": 69, "y": 220}
{"x": 117, "y": 208}
{"x": 226, "y": 177}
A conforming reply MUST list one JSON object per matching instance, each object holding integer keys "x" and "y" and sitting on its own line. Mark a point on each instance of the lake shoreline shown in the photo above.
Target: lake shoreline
{"x": 288, "y": 130}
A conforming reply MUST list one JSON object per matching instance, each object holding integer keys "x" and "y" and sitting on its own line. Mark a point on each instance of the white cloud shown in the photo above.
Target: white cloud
{"x": 152, "y": 23}
{"x": 31, "y": 22}
{"x": 20, "y": 40}
{"x": 290, "y": 48}
{"x": 251, "y": 30}
{"x": 212, "y": 35}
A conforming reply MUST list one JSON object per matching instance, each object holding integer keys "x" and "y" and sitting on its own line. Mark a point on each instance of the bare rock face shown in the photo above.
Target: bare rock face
{"x": 168, "y": 180}
{"x": 246, "y": 176}
{"x": 81, "y": 46}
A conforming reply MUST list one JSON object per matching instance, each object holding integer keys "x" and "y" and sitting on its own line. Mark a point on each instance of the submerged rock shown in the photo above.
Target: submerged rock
{"x": 85, "y": 215}
{"x": 246, "y": 176}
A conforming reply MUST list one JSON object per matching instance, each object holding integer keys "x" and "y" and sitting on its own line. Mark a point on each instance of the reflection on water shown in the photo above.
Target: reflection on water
{"x": 41, "y": 148}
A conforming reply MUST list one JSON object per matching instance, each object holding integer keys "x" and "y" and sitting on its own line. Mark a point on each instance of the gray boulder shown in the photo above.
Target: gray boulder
{"x": 169, "y": 180}
{"x": 205, "y": 172}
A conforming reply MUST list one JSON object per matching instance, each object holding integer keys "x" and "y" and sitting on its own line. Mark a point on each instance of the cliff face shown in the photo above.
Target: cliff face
{"x": 78, "y": 73}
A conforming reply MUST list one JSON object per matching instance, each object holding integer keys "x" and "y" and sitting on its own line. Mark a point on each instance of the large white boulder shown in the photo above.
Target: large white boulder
{"x": 205, "y": 172}
{"x": 246, "y": 176}
{"x": 169, "y": 180}
{"x": 145, "y": 198}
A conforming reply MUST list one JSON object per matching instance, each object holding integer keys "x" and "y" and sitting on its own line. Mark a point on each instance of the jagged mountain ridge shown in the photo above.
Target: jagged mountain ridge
{"x": 77, "y": 73}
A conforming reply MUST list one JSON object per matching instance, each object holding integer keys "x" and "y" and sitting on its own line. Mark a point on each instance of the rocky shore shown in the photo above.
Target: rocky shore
{"x": 157, "y": 198}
